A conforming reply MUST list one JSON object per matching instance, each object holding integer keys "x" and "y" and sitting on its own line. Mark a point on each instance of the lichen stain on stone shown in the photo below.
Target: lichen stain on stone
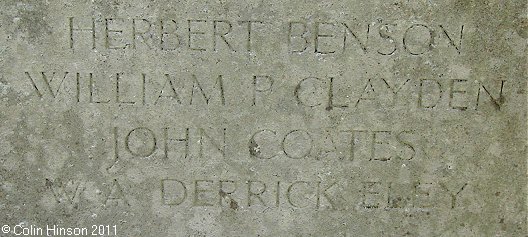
{"x": 32, "y": 20}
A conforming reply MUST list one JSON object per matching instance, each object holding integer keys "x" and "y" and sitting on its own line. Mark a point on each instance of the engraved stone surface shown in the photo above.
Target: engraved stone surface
{"x": 263, "y": 118}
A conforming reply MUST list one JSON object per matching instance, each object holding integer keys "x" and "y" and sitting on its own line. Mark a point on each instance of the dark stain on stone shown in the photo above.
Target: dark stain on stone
{"x": 49, "y": 184}
{"x": 232, "y": 203}
{"x": 33, "y": 20}
{"x": 522, "y": 27}
{"x": 19, "y": 139}
{"x": 75, "y": 129}
{"x": 254, "y": 148}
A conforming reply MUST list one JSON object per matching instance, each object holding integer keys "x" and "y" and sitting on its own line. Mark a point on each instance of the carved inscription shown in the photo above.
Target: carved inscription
{"x": 241, "y": 35}
{"x": 324, "y": 116}
{"x": 344, "y": 145}
{"x": 381, "y": 195}
{"x": 71, "y": 194}
{"x": 313, "y": 92}
{"x": 189, "y": 143}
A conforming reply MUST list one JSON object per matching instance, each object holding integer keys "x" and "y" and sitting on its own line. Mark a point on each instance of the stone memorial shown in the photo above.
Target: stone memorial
{"x": 263, "y": 118}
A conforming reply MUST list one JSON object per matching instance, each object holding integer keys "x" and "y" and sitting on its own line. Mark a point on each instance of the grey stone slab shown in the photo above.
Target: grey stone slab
{"x": 263, "y": 118}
